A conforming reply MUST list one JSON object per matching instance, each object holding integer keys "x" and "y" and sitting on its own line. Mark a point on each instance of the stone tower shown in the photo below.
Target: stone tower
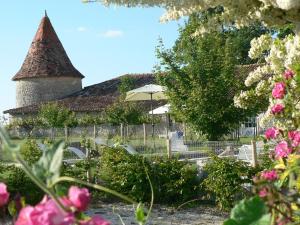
{"x": 47, "y": 72}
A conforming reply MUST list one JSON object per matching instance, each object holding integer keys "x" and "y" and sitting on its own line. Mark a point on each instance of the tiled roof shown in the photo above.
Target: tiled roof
{"x": 242, "y": 71}
{"x": 97, "y": 97}
{"x": 46, "y": 56}
{"x": 94, "y": 98}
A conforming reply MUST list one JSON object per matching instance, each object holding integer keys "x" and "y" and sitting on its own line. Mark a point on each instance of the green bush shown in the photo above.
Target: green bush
{"x": 79, "y": 169}
{"x": 225, "y": 180}
{"x": 19, "y": 183}
{"x": 31, "y": 151}
{"x": 173, "y": 181}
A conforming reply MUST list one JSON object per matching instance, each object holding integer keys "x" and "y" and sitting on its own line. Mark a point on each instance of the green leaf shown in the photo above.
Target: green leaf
{"x": 139, "y": 214}
{"x": 48, "y": 166}
{"x": 7, "y": 143}
{"x": 251, "y": 211}
{"x": 230, "y": 222}
{"x": 12, "y": 208}
{"x": 56, "y": 161}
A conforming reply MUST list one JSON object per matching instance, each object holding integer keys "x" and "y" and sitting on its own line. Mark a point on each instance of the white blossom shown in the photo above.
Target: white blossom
{"x": 260, "y": 45}
{"x": 241, "y": 12}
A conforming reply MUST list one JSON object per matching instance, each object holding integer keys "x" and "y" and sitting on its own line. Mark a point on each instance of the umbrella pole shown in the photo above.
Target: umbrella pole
{"x": 151, "y": 98}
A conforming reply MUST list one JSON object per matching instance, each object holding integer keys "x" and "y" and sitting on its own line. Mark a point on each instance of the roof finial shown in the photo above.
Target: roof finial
{"x": 46, "y": 13}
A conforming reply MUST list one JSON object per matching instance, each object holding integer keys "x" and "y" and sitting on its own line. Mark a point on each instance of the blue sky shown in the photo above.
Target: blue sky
{"x": 102, "y": 43}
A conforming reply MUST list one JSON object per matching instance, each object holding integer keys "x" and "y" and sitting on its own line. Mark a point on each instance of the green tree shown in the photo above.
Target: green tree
{"x": 199, "y": 72}
{"x": 55, "y": 116}
{"x": 122, "y": 112}
{"x": 125, "y": 112}
{"x": 127, "y": 84}
{"x": 88, "y": 120}
{"x": 28, "y": 123}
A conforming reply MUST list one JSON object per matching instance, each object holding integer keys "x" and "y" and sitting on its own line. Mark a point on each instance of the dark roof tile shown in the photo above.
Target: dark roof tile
{"x": 46, "y": 56}
{"x": 94, "y": 98}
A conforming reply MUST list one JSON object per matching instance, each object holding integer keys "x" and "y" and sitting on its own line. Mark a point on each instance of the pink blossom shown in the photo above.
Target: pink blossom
{"x": 282, "y": 221}
{"x": 263, "y": 193}
{"x": 25, "y": 216}
{"x": 271, "y": 133}
{"x": 4, "y": 195}
{"x": 95, "y": 220}
{"x": 288, "y": 74}
{"x": 80, "y": 198}
{"x": 278, "y": 91}
{"x": 269, "y": 175}
{"x": 45, "y": 213}
{"x": 282, "y": 149}
{"x": 277, "y": 108}
{"x": 294, "y": 136}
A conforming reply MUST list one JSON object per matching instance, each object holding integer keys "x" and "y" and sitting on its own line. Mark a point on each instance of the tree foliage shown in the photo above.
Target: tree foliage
{"x": 124, "y": 112}
{"x": 127, "y": 84}
{"x": 87, "y": 120}
{"x": 55, "y": 116}
{"x": 199, "y": 72}
{"x": 28, "y": 123}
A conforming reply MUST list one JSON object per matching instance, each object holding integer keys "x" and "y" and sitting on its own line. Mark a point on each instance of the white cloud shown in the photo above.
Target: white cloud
{"x": 81, "y": 29}
{"x": 112, "y": 34}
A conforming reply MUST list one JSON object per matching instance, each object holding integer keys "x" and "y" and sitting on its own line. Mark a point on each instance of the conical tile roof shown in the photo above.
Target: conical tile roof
{"x": 46, "y": 56}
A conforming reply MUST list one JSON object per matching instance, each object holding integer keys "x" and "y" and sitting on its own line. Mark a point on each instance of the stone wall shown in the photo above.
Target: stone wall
{"x": 37, "y": 90}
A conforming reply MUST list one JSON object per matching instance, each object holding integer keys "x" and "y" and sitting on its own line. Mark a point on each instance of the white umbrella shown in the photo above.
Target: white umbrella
{"x": 148, "y": 92}
{"x": 161, "y": 110}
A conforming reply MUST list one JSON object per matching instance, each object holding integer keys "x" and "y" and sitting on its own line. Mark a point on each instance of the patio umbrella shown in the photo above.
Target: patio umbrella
{"x": 161, "y": 110}
{"x": 148, "y": 92}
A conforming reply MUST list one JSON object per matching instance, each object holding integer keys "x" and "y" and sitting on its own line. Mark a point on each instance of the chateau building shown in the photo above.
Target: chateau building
{"x": 47, "y": 75}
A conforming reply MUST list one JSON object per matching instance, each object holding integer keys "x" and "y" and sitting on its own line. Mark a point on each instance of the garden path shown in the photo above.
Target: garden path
{"x": 201, "y": 215}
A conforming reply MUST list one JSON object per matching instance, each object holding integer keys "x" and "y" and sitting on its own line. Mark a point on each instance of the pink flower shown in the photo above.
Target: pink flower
{"x": 269, "y": 175}
{"x": 282, "y": 149}
{"x": 80, "y": 198}
{"x": 282, "y": 221}
{"x": 4, "y": 195}
{"x": 25, "y": 216}
{"x": 277, "y": 108}
{"x": 263, "y": 193}
{"x": 45, "y": 213}
{"x": 278, "y": 91}
{"x": 95, "y": 220}
{"x": 271, "y": 133}
{"x": 288, "y": 74}
{"x": 294, "y": 136}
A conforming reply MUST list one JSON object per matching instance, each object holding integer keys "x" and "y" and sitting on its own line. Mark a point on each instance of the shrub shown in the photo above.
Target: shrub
{"x": 31, "y": 151}
{"x": 19, "y": 183}
{"x": 79, "y": 169}
{"x": 173, "y": 181}
{"x": 225, "y": 180}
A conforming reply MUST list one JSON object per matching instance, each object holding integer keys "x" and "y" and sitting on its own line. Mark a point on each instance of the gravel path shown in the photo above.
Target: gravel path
{"x": 201, "y": 215}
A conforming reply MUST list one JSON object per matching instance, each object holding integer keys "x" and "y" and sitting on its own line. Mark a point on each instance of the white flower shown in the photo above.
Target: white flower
{"x": 260, "y": 45}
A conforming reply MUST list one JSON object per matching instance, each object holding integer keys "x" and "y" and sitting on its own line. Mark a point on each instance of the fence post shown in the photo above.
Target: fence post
{"x": 184, "y": 130}
{"x": 145, "y": 134}
{"x": 169, "y": 148}
{"x": 88, "y": 172}
{"x": 95, "y": 135}
{"x": 121, "y": 128}
{"x": 66, "y": 133}
{"x": 254, "y": 154}
{"x": 52, "y": 133}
